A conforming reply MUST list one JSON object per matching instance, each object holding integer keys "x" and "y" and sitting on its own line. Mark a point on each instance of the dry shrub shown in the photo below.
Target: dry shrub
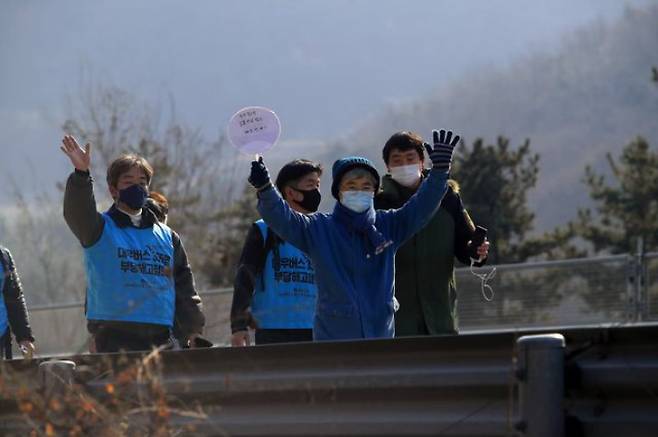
{"x": 111, "y": 397}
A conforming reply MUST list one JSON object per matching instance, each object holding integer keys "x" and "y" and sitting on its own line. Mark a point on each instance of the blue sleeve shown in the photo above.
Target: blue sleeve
{"x": 404, "y": 222}
{"x": 292, "y": 226}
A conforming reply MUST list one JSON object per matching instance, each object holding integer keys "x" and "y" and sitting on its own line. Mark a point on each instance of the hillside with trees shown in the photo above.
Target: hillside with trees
{"x": 576, "y": 105}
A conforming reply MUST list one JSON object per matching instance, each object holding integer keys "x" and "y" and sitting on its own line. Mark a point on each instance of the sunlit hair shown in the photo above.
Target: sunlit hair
{"x": 159, "y": 205}
{"x": 454, "y": 185}
{"x": 358, "y": 173}
{"x": 123, "y": 164}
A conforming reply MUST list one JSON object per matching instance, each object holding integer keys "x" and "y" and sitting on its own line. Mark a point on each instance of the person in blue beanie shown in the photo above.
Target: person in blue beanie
{"x": 353, "y": 248}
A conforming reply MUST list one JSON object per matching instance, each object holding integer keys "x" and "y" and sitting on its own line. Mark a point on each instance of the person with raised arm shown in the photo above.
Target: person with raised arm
{"x": 353, "y": 248}
{"x": 425, "y": 284}
{"x": 139, "y": 281}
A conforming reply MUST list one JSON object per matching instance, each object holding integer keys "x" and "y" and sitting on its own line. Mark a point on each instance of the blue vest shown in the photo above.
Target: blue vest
{"x": 285, "y": 293}
{"x": 130, "y": 275}
{"x": 4, "y": 321}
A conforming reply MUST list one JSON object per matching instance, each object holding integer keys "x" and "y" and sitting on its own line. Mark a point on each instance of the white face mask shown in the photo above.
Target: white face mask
{"x": 406, "y": 175}
{"x": 357, "y": 201}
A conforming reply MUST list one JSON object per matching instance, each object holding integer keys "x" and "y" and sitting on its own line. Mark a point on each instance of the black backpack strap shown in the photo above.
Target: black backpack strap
{"x": 271, "y": 244}
{"x": 271, "y": 241}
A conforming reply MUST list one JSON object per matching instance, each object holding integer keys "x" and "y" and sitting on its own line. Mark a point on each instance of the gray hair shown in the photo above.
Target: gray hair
{"x": 358, "y": 173}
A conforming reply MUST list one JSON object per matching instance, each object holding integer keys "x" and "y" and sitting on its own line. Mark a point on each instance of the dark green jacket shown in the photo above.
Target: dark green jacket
{"x": 424, "y": 265}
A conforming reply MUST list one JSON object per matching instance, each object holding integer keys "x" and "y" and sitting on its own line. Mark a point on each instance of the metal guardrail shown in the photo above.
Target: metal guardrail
{"x": 467, "y": 385}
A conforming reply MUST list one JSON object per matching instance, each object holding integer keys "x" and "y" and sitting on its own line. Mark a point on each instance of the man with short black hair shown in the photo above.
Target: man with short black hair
{"x": 274, "y": 289}
{"x": 424, "y": 266}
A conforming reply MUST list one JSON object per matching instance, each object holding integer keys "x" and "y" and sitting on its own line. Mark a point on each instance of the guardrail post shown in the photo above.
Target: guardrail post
{"x": 56, "y": 375}
{"x": 540, "y": 370}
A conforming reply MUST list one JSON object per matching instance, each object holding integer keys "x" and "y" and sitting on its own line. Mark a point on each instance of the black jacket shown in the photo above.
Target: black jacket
{"x": 252, "y": 261}
{"x": 12, "y": 292}
{"x": 87, "y": 224}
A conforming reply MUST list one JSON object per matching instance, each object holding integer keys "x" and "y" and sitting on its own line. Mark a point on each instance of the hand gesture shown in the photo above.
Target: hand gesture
{"x": 80, "y": 159}
{"x": 259, "y": 176}
{"x": 441, "y": 153}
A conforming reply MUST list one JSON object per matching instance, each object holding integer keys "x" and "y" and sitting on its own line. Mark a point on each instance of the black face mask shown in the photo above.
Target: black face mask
{"x": 311, "y": 200}
{"x": 134, "y": 196}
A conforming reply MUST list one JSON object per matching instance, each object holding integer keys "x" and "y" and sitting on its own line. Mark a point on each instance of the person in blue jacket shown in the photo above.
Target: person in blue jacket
{"x": 353, "y": 248}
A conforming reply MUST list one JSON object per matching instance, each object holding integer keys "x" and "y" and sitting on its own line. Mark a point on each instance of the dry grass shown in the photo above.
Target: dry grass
{"x": 121, "y": 396}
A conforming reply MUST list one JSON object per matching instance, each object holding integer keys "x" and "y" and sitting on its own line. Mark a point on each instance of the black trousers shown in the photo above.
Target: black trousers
{"x": 114, "y": 340}
{"x": 5, "y": 345}
{"x": 271, "y": 336}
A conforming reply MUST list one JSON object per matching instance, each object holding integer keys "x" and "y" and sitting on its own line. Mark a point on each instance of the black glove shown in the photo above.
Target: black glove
{"x": 441, "y": 153}
{"x": 259, "y": 176}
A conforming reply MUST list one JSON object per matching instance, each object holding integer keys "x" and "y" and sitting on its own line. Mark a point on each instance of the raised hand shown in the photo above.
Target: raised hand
{"x": 81, "y": 159}
{"x": 444, "y": 145}
{"x": 259, "y": 176}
